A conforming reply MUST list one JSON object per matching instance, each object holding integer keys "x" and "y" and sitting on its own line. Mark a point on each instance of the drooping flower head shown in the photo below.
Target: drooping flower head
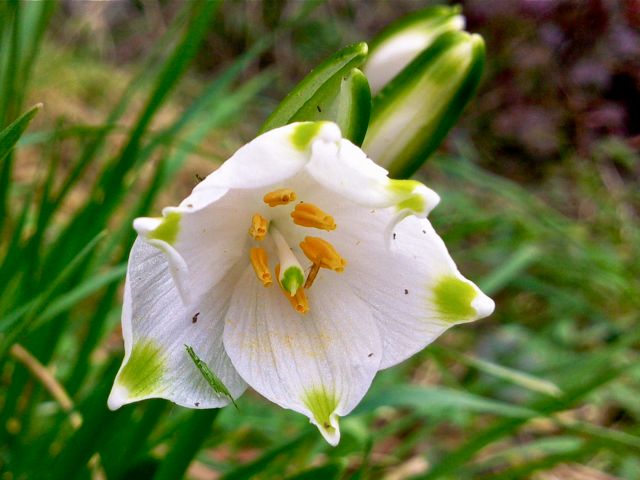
{"x": 299, "y": 268}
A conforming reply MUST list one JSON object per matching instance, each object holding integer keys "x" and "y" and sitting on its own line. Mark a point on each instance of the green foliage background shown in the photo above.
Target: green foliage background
{"x": 139, "y": 98}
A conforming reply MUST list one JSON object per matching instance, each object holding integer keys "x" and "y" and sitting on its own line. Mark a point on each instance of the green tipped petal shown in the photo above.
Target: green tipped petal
{"x": 414, "y": 112}
{"x": 143, "y": 372}
{"x": 393, "y": 49}
{"x": 453, "y": 297}
{"x": 322, "y": 404}
{"x": 167, "y": 231}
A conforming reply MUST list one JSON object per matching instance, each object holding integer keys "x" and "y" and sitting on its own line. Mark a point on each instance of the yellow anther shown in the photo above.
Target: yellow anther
{"x": 322, "y": 253}
{"x": 259, "y": 227}
{"x": 282, "y": 196}
{"x": 260, "y": 264}
{"x": 308, "y": 215}
{"x": 298, "y": 301}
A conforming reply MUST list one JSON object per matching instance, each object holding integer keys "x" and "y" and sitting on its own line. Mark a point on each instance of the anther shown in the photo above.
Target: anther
{"x": 259, "y": 227}
{"x": 323, "y": 254}
{"x": 298, "y": 301}
{"x": 260, "y": 264}
{"x": 308, "y": 215}
{"x": 282, "y": 196}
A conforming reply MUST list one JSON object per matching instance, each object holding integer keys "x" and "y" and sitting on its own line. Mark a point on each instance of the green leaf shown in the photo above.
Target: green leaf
{"x": 439, "y": 400}
{"x": 10, "y": 135}
{"x": 414, "y": 112}
{"x": 336, "y": 66}
{"x": 345, "y": 100}
{"x": 212, "y": 379}
{"x": 516, "y": 377}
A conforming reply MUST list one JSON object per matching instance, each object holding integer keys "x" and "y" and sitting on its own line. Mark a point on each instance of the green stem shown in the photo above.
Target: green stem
{"x": 191, "y": 437}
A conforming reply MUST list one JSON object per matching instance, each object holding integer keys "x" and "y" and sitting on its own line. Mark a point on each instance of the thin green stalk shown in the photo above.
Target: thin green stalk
{"x": 455, "y": 460}
{"x": 190, "y": 438}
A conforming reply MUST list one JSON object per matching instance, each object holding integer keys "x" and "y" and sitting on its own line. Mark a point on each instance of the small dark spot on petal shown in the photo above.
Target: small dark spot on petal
{"x": 424, "y": 231}
{"x": 194, "y": 319}
{"x": 370, "y": 355}
{"x": 197, "y": 404}
{"x": 326, "y": 425}
{"x": 406, "y": 292}
{"x": 394, "y": 236}
{"x": 190, "y": 205}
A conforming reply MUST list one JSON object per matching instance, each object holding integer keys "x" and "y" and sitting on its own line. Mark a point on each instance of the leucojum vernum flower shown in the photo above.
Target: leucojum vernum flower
{"x": 298, "y": 268}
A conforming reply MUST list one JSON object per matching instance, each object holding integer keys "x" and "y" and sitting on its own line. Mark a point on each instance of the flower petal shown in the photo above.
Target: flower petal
{"x": 272, "y": 157}
{"x": 319, "y": 364}
{"x": 414, "y": 287}
{"x": 344, "y": 168}
{"x": 201, "y": 245}
{"x": 156, "y": 326}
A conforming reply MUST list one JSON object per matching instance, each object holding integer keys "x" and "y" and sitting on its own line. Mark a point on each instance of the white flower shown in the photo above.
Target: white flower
{"x": 298, "y": 268}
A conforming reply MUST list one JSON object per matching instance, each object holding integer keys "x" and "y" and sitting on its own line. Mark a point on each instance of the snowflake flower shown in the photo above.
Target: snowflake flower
{"x": 298, "y": 268}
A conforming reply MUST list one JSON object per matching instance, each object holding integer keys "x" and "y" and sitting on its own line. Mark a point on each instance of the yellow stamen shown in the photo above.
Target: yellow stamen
{"x": 323, "y": 254}
{"x": 259, "y": 227}
{"x": 260, "y": 264}
{"x": 308, "y": 215}
{"x": 282, "y": 196}
{"x": 298, "y": 301}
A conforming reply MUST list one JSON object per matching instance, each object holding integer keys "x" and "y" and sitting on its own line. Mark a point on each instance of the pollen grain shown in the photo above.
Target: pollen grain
{"x": 308, "y": 215}
{"x": 282, "y": 196}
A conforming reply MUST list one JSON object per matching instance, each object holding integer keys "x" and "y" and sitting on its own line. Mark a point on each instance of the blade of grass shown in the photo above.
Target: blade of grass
{"x": 30, "y": 310}
{"x": 510, "y": 375}
{"x": 189, "y": 441}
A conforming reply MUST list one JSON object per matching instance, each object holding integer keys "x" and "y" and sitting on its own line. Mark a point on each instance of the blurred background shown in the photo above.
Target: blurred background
{"x": 540, "y": 204}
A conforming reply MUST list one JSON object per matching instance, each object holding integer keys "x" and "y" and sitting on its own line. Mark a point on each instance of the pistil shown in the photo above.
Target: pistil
{"x": 298, "y": 301}
{"x": 291, "y": 275}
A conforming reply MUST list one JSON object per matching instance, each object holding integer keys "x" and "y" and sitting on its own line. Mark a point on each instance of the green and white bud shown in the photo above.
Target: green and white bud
{"x": 335, "y": 91}
{"x": 392, "y": 50}
{"x": 413, "y": 113}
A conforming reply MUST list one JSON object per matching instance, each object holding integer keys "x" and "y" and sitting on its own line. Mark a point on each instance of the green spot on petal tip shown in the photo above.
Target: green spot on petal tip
{"x": 453, "y": 298}
{"x": 322, "y": 405}
{"x": 144, "y": 370}
{"x": 304, "y": 133}
{"x": 168, "y": 230}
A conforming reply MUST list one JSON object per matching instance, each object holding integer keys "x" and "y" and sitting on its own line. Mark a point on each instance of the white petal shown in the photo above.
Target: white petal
{"x": 272, "y": 157}
{"x": 202, "y": 245}
{"x": 413, "y": 285}
{"x": 319, "y": 364}
{"x": 156, "y": 326}
{"x": 345, "y": 169}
